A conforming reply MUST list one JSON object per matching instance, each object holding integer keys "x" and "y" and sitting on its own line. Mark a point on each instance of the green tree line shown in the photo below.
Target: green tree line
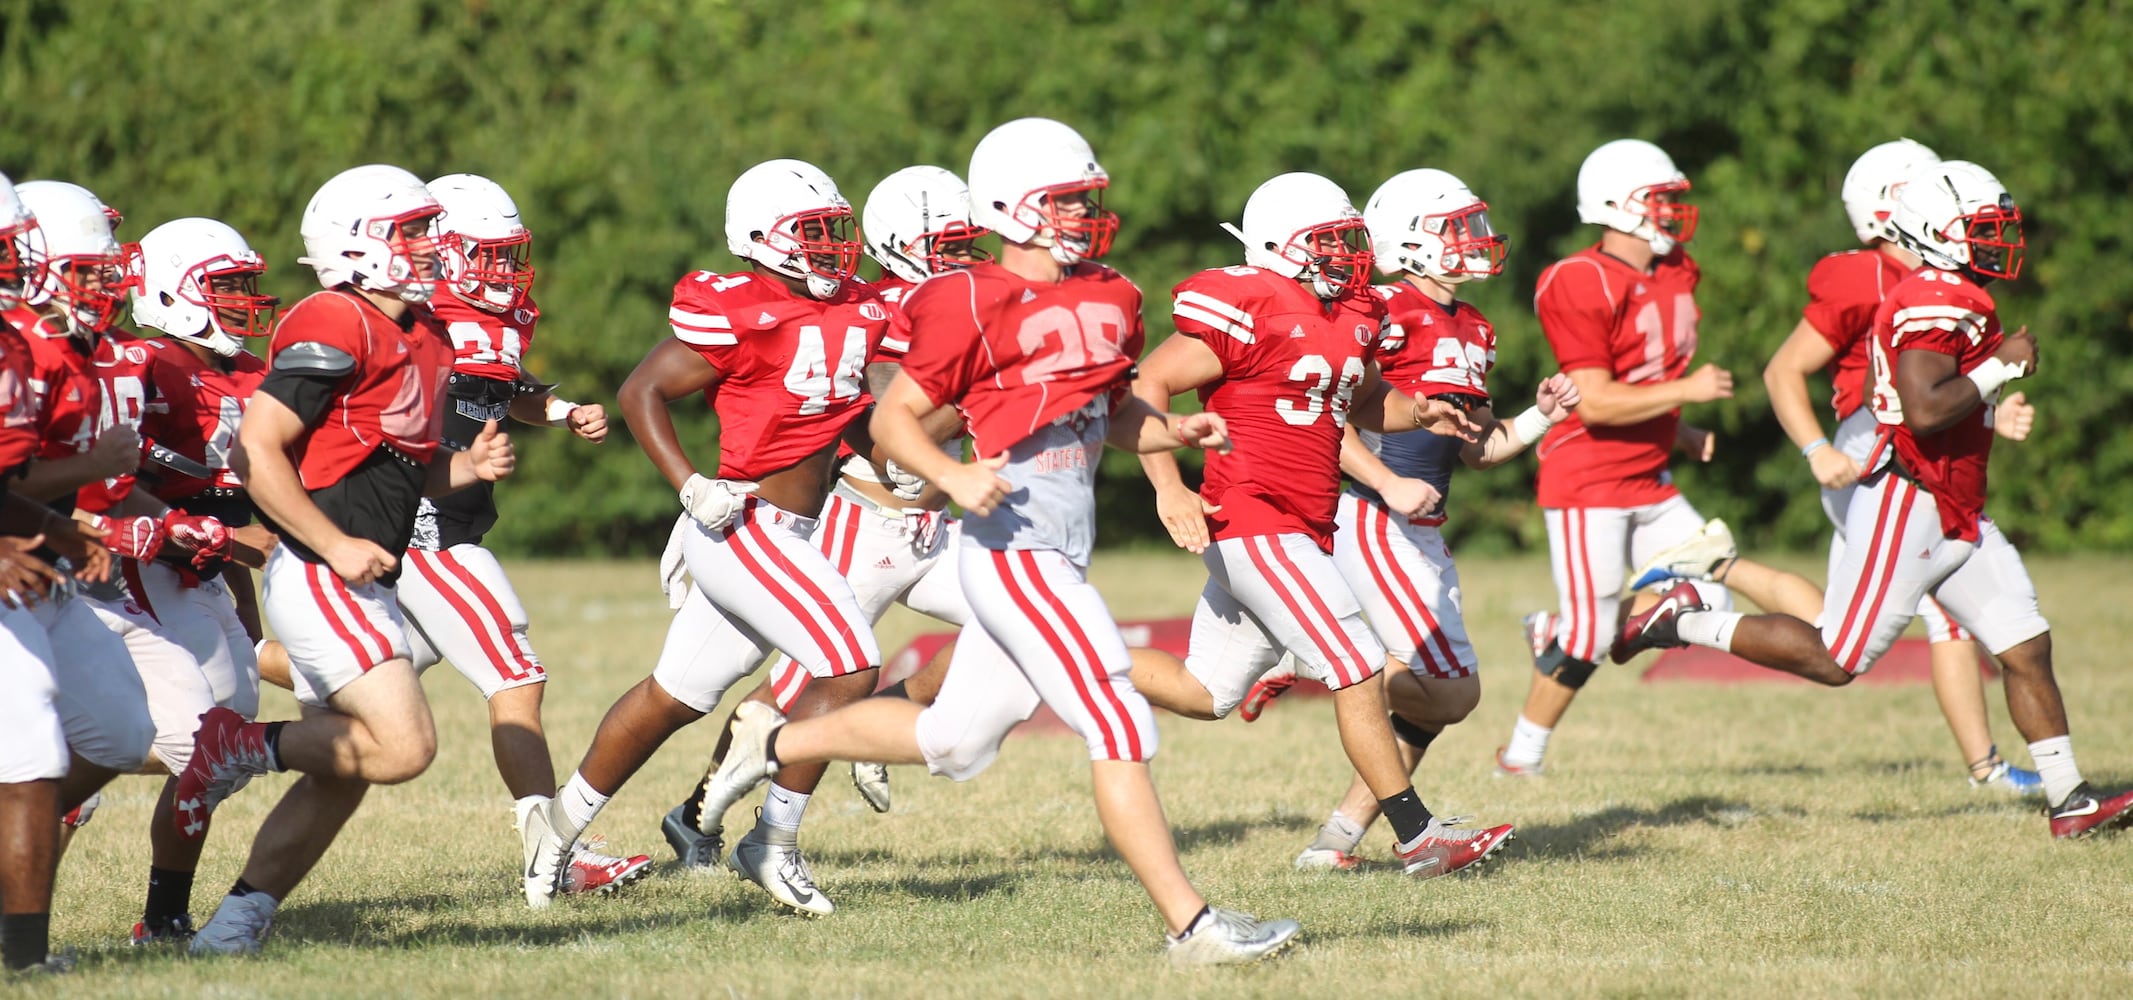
{"x": 619, "y": 125}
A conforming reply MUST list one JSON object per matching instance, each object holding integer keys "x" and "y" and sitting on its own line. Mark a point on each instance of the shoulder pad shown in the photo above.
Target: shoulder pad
{"x": 309, "y": 357}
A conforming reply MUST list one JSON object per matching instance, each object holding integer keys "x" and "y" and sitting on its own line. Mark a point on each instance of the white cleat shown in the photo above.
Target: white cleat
{"x": 1693, "y": 559}
{"x": 239, "y": 926}
{"x": 771, "y": 858}
{"x": 1326, "y": 859}
{"x": 542, "y": 851}
{"x": 872, "y": 780}
{"x": 1226, "y": 937}
{"x": 747, "y": 762}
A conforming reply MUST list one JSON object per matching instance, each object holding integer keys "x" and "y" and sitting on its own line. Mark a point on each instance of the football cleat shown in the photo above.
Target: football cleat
{"x": 747, "y": 761}
{"x": 1326, "y": 859}
{"x": 590, "y": 871}
{"x": 227, "y": 752}
{"x": 2086, "y": 811}
{"x": 2010, "y": 779}
{"x": 239, "y": 926}
{"x": 1226, "y": 937}
{"x": 542, "y": 852}
{"x": 694, "y": 849}
{"x": 169, "y": 930}
{"x": 1507, "y": 769}
{"x": 79, "y": 816}
{"x": 872, "y": 780}
{"x": 1263, "y": 692}
{"x": 53, "y": 965}
{"x": 1655, "y": 628}
{"x": 1444, "y": 847}
{"x": 1694, "y": 559}
{"x": 771, "y": 858}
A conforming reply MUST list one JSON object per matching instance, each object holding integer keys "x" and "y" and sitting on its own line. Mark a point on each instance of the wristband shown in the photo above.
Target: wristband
{"x": 1991, "y": 374}
{"x": 558, "y": 411}
{"x": 1814, "y": 446}
{"x": 1530, "y": 426}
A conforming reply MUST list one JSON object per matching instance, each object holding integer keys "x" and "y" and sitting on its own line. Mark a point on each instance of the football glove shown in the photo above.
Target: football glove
{"x": 714, "y": 503}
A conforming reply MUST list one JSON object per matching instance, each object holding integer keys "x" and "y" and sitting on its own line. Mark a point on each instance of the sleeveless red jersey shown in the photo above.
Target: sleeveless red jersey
{"x": 1843, "y": 292}
{"x": 394, "y": 397}
{"x": 194, "y": 409}
{"x": 1939, "y": 311}
{"x": 1290, "y": 365}
{"x": 487, "y": 344}
{"x": 793, "y": 368}
{"x": 1014, "y": 355}
{"x": 1599, "y": 312}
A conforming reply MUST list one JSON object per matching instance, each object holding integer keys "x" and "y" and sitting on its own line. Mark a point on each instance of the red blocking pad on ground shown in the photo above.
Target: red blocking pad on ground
{"x": 1909, "y": 662}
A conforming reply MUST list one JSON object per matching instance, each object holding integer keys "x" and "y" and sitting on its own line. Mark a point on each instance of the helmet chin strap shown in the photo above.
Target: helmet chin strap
{"x": 821, "y": 287}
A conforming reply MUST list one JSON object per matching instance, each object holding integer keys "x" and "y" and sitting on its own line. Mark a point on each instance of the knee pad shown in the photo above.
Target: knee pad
{"x": 1567, "y": 670}
{"x": 1411, "y": 734}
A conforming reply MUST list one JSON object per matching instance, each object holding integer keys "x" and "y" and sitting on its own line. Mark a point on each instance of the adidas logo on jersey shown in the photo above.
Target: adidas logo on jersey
{"x": 766, "y": 318}
{"x": 1297, "y": 334}
{"x": 1029, "y": 295}
{"x": 1640, "y": 288}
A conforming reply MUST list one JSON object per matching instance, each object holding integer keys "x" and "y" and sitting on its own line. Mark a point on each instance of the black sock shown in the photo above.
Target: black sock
{"x": 273, "y": 741}
{"x": 1408, "y": 816}
{"x": 692, "y": 808}
{"x": 170, "y": 896}
{"x": 25, "y": 939}
{"x": 1411, "y": 734}
{"x": 243, "y": 888}
{"x": 1195, "y": 921}
{"x": 770, "y": 748}
{"x": 895, "y": 690}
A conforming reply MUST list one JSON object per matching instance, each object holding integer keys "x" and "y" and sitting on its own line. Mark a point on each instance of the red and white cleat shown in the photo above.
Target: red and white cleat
{"x": 592, "y": 872}
{"x": 1262, "y": 694}
{"x": 2087, "y": 810}
{"x": 1444, "y": 847}
{"x": 1326, "y": 859}
{"x": 1508, "y": 769}
{"x": 227, "y": 752}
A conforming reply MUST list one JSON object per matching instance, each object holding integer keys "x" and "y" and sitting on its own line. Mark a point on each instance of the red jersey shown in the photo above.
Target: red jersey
{"x": 194, "y": 408}
{"x": 1290, "y": 365}
{"x": 1939, "y": 311}
{"x": 391, "y": 400}
{"x": 485, "y": 343}
{"x": 121, "y": 369}
{"x": 1431, "y": 350}
{"x": 1599, "y": 312}
{"x": 18, "y": 405}
{"x": 1843, "y": 292}
{"x": 63, "y": 378}
{"x": 896, "y": 342}
{"x": 1014, "y": 355}
{"x": 793, "y": 368}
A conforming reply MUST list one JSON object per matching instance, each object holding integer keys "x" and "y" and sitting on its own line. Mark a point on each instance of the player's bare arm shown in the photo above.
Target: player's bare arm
{"x": 21, "y": 515}
{"x": 117, "y": 451}
{"x": 899, "y": 429}
{"x": 1404, "y": 495}
{"x": 586, "y": 420}
{"x": 1553, "y": 402}
{"x": 1138, "y": 427}
{"x": 1936, "y": 393}
{"x": 1380, "y": 407}
{"x": 1606, "y": 402}
{"x": 24, "y": 578}
{"x": 670, "y": 371}
{"x": 261, "y": 459}
{"x": 1804, "y": 353}
{"x": 943, "y": 423}
{"x": 1177, "y": 365}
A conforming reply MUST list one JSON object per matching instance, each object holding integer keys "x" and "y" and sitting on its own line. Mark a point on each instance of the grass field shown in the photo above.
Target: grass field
{"x": 1754, "y": 840}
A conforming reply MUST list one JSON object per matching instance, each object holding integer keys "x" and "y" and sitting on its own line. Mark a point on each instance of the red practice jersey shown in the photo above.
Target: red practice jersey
{"x": 64, "y": 380}
{"x": 125, "y": 393}
{"x": 194, "y": 409}
{"x": 391, "y": 400}
{"x": 1939, "y": 311}
{"x": 485, "y": 343}
{"x": 793, "y": 368}
{"x": 1599, "y": 312}
{"x": 1843, "y": 292}
{"x": 1290, "y": 365}
{"x": 1014, "y": 355}
{"x": 18, "y": 405}
{"x": 896, "y": 342}
{"x": 1432, "y": 350}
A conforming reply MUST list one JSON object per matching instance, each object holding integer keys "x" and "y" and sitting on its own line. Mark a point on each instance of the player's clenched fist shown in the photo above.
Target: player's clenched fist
{"x": 1557, "y": 396}
{"x": 1834, "y": 469}
{"x": 977, "y": 486}
{"x": 2014, "y": 417}
{"x": 358, "y": 560}
{"x": 1409, "y": 497}
{"x": 1206, "y": 431}
{"x": 2019, "y": 351}
{"x": 491, "y": 456}
{"x": 588, "y": 421}
{"x": 1707, "y": 384}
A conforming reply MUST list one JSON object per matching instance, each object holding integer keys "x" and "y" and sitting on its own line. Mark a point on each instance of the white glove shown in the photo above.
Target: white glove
{"x": 714, "y": 502}
{"x": 673, "y": 570}
{"x": 902, "y": 482}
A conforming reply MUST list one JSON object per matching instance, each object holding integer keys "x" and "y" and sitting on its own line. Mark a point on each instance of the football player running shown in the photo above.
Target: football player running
{"x": 337, "y": 448}
{"x": 1621, "y": 317}
{"x": 1916, "y": 526}
{"x": 1843, "y": 291}
{"x": 1285, "y": 349}
{"x": 1428, "y": 230}
{"x": 1035, "y": 352}
{"x": 780, "y": 350}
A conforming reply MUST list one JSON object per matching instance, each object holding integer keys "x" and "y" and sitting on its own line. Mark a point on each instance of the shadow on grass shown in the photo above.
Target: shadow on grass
{"x": 1589, "y": 835}
{"x": 1393, "y": 927}
{"x": 378, "y": 923}
{"x": 1193, "y": 836}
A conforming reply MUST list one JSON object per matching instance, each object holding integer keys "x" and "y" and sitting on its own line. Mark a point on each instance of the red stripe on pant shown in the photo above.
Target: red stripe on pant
{"x": 1003, "y": 564}
{"x": 843, "y": 650}
{"x": 1317, "y": 631}
{"x": 1888, "y": 576}
{"x": 501, "y": 621}
{"x": 1377, "y": 555}
{"x": 1873, "y": 555}
{"x": 1585, "y": 618}
{"x": 1434, "y": 630}
{"x": 313, "y": 575}
{"x": 131, "y": 569}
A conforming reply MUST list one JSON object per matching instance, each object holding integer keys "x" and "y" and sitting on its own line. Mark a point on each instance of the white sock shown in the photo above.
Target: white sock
{"x": 579, "y": 803}
{"x": 1529, "y": 743}
{"x": 2055, "y": 764}
{"x": 1708, "y": 628}
{"x": 783, "y": 807}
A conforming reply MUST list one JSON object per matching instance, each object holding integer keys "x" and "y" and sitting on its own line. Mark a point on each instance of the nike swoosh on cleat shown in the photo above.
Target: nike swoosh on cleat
{"x": 2089, "y": 809}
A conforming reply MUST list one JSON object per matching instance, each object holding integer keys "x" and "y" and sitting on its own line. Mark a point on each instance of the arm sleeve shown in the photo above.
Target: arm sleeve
{"x": 1577, "y": 314}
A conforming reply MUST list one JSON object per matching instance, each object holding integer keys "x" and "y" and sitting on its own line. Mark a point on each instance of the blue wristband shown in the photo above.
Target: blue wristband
{"x": 1812, "y": 445}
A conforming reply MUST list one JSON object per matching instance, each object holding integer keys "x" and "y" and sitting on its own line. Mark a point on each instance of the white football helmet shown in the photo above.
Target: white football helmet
{"x": 1630, "y": 185}
{"x": 1956, "y": 216}
{"x": 199, "y": 282}
{"x": 488, "y": 254}
{"x": 788, "y": 216}
{"x": 1035, "y": 181}
{"x": 1303, "y": 226}
{"x": 1874, "y": 181}
{"x": 374, "y": 227}
{"x": 18, "y": 267}
{"x": 80, "y": 265}
{"x": 916, "y": 218}
{"x": 1429, "y": 222}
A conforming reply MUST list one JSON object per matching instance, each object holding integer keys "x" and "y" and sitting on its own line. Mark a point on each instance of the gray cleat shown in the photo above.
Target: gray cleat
{"x": 1226, "y": 937}
{"x": 771, "y": 858}
{"x": 872, "y": 780}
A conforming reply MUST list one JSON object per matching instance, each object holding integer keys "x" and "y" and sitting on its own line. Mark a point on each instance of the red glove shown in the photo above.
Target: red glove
{"x": 207, "y": 538}
{"x": 138, "y": 537}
